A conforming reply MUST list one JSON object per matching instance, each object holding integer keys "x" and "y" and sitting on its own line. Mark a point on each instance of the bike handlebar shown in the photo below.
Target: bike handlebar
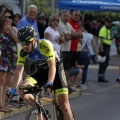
{"x": 30, "y": 89}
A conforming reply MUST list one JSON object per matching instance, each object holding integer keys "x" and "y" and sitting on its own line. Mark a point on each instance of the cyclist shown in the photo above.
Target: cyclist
{"x": 118, "y": 78}
{"x": 49, "y": 69}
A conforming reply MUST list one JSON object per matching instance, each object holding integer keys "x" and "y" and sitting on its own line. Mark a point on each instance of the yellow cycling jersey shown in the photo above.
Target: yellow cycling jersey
{"x": 40, "y": 55}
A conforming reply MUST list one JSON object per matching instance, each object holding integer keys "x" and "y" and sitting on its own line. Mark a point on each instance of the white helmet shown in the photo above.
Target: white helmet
{"x": 101, "y": 59}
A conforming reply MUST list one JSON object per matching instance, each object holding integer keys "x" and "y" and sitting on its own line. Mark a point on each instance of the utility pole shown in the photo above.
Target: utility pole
{"x": 52, "y": 6}
{"x": 23, "y": 9}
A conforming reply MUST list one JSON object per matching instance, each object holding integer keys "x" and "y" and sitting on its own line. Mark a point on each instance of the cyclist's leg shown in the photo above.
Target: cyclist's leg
{"x": 65, "y": 106}
{"x": 60, "y": 86}
{"x": 29, "y": 98}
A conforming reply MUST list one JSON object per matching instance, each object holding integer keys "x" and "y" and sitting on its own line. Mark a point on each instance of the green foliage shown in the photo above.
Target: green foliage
{"x": 90, "y": 16}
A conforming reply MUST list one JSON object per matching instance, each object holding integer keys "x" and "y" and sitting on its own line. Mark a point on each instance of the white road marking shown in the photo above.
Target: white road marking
{"x": 109, "y": 67}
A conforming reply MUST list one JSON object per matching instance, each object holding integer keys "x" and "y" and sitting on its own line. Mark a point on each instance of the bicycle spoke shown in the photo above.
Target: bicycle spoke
{"x": 33, "y": 115}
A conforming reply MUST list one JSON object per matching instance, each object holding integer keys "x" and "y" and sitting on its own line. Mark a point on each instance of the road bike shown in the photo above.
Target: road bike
{"x": 39, "y": 112}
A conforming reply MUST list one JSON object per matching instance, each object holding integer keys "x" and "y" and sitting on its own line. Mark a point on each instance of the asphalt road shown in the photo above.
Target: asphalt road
{"x": 101, "y": 101}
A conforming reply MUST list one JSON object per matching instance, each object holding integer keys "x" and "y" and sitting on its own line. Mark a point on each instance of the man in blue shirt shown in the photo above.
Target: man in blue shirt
{"x": 29, "y": 19}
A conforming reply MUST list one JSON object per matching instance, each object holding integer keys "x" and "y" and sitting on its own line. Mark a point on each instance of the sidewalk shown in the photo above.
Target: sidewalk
{"x": 27, "y": 107}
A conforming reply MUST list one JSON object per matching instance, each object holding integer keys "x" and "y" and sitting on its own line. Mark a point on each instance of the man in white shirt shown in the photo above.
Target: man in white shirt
{"x": 66, "y": 30}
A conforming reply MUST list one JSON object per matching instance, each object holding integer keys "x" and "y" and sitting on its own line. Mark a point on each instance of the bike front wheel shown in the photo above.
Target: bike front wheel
{"x": 33, "y": 114}
{"x": 60, "y": 114}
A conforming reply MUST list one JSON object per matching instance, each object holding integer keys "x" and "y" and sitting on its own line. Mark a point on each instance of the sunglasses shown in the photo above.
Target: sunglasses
{"x": 25, "y": 43}
{"x": 57, "y": 20}
{"x": 10, "y": 17}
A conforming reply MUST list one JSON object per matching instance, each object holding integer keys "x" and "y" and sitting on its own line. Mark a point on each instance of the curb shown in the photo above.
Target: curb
{"x": 27, "y": 107}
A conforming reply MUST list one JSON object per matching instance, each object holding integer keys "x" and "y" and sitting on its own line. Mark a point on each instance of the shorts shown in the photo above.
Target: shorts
{"x": 41, "y": 76}
{"x": 74, "y": 71}
{"x": 69, "y": 59}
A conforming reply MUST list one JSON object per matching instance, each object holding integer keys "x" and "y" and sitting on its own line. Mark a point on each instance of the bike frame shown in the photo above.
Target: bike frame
{"x": 38, "y": 97}
{"x": 53, "y": 101}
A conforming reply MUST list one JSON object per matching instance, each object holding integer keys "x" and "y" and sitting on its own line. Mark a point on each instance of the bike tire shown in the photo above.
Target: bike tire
{"x": 60, "y": 114}
{"x": 73, "y": 114}
{"x": 32, "y": 114}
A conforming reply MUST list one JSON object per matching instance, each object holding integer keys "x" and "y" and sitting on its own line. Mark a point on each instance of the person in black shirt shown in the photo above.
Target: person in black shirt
{"x": 41, "y": 23}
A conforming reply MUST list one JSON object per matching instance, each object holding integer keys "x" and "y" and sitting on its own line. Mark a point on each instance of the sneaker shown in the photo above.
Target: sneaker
{"x": 83, "y": 87}
{"x": 78, "y": 85}
{"x": 75, "y": 88}
{"x": 70, "y": 90}
{"x": 103, "y": 80}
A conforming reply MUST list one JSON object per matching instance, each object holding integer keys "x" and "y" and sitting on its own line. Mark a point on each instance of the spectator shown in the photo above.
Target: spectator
{"x": 4, "y": 7}
{"x": 68, "y": 32}
{"x": 51, "y": 33}
{"x": 74, "y": 21}
{"x": 29, "y": 19}
{"x": 118, "y": 78}
{"x": 99, "y": 26}
{"x": 88, "y": 43}
{"x": 17, "y": 18}
{"x": 105, "y": 43}
{"x": 81, "y": 21}
{"x": 115, "y": 31}
{"x": 94, "y": 23}
{"x": 2, "y": 23}
{"x": 75, "y": 74}
{"x": 8, "y": 48}
{"x": 41, "y": 23}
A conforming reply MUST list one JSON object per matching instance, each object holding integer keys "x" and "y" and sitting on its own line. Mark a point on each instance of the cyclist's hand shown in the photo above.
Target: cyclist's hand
{"x": 48, "y": 87}
{"x": 11, "y": 93}
{"x": 118, "y": 80}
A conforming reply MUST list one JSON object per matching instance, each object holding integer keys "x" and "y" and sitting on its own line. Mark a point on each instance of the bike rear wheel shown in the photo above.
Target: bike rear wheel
{"x": 33, "y": 114}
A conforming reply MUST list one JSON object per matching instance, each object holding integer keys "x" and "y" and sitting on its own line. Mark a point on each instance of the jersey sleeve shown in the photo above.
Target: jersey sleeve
{"x": 21, "y": 59}
{"x": 45, "y": 47}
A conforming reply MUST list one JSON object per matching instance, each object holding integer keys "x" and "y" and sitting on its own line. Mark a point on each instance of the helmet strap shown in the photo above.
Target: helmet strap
{"x": 33, "y": 46}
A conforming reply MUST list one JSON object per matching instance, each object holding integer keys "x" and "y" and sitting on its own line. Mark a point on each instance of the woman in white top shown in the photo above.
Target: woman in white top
{"x": 88, "y": 44}
{"x": 51, "y": 32}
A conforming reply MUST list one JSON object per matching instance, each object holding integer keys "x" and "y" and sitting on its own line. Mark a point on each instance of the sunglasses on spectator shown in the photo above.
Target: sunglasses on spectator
{"x": 57, "y": 20}
{"x": 10, "y": 17}
{"x": 25, "y": 43}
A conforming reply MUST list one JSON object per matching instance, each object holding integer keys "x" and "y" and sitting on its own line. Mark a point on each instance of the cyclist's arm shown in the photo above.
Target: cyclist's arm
{"x": 19, "y": 69}
{"x": 17, "y": 76}
{"x": 119, "y": 70}
{"x": 52, "y": 70}
{"x": 46, "y": 48}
